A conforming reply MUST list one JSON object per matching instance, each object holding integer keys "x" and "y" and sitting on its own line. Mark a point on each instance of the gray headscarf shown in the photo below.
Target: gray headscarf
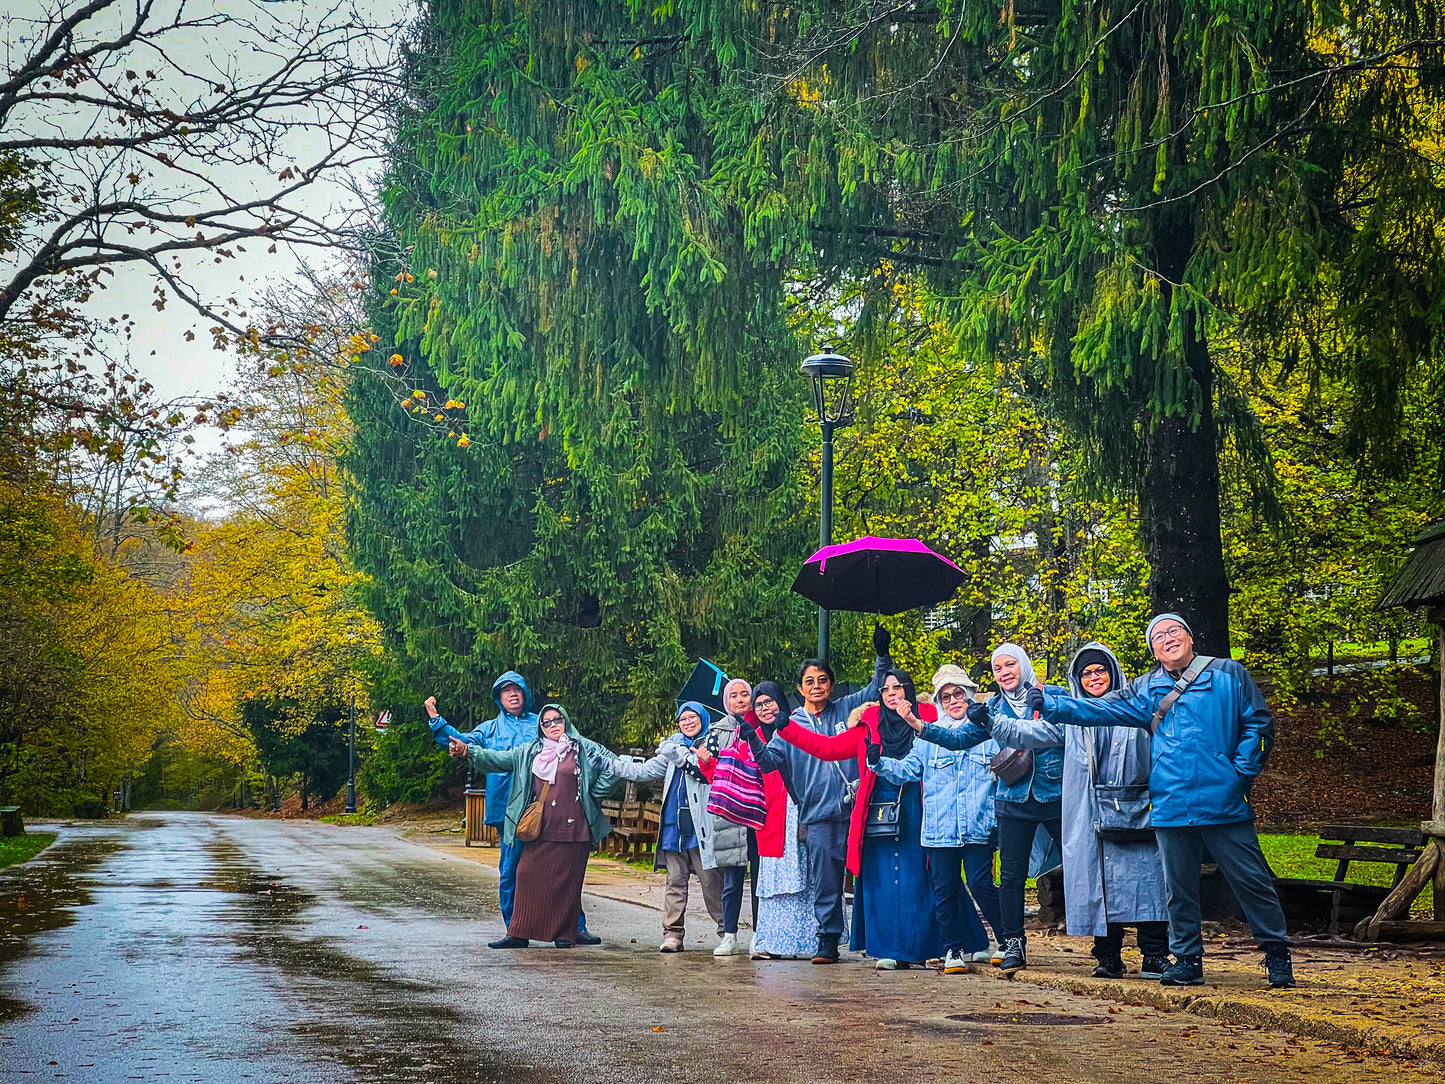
{"x": 1026, "y": 675}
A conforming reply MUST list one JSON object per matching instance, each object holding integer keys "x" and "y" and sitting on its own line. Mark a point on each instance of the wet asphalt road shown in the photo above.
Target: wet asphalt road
{"x": 188, "y": 947}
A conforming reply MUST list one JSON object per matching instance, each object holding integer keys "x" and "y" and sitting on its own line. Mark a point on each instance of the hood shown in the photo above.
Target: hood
{"x": 511, "y": 677}
{"x": 1116, "y": 672}
{"x": 571, "y": 730}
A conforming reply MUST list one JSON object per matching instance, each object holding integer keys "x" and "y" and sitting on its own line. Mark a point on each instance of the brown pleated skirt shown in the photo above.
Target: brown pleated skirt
{"x": 549, "y": 890}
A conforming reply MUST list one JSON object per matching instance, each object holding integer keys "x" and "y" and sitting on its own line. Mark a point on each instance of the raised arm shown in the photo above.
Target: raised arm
{"x": 842, "y": 746}
{"x": 443, "y": 731}
{"x": 881, "y": 665}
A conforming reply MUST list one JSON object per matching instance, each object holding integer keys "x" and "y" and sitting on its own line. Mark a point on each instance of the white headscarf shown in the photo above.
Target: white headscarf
{"x": 1026, "y": 675}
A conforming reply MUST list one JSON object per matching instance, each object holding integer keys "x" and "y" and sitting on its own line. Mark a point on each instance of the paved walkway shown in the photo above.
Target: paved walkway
{"x": 1382, "y": 1000}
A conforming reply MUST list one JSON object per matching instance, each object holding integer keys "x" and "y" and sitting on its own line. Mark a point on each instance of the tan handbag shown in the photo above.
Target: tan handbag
{"x": 529, "y": 824}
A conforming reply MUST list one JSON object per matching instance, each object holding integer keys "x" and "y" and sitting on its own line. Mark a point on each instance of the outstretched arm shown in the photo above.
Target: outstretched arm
{"x": 956, "y": 738}
{"x": 649, "y": 771}
{"x": 494, "y": 760}
{"x": 842, "y": 746}
{"x": 1026, "y": 733}
{"x": 1134, "y": 711}
{"x": 907, "y": 770}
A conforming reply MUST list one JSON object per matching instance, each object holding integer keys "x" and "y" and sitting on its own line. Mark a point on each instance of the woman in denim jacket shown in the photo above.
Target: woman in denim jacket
{"x": 1023, "y": 806}
{"x": 959, "y": 826}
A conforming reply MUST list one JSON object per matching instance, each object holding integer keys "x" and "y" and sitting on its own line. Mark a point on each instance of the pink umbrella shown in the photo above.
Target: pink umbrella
{"x": 878, "y": 576}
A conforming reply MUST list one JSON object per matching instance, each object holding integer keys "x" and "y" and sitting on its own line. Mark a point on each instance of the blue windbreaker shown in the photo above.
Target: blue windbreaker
{"x": 1207, "y": 751}
{"x": 500, "y": 733}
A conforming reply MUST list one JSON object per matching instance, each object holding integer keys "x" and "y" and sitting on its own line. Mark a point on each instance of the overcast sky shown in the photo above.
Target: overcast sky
{"x": 158, "y": 346}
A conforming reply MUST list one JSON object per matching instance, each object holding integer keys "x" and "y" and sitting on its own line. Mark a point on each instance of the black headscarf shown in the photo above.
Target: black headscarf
{"x": 896, "y": 735}
{"x": 774, "y": 690}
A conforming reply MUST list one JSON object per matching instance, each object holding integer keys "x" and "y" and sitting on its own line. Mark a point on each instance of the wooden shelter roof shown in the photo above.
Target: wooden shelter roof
{"x": 1421, "y": 580}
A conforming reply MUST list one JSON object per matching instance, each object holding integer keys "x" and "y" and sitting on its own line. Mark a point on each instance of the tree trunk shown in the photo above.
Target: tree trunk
{"x": 1179, "y": 520}
{"x": 1179, "y": 524}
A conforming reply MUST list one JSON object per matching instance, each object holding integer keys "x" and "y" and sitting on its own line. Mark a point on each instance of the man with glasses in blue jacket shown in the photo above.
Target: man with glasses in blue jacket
{"x": 1212, "y": 732}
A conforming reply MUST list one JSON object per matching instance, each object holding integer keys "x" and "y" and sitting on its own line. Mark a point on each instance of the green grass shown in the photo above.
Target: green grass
{"x": 365, "y": 814}
{"x": 23, "y": 848}
{"x": 1291, "y": 855}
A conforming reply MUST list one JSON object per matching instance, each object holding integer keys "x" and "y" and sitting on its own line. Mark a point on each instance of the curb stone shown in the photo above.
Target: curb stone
{"x": 1398, "y": 1041}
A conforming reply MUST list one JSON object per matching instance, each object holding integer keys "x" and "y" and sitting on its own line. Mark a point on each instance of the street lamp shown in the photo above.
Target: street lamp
{"x": 351, "y": 761}
{"x": 832, "y": 376}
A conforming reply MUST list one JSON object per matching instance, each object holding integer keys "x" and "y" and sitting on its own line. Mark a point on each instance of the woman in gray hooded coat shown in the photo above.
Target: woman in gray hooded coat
{"x": 1107, "y": 884}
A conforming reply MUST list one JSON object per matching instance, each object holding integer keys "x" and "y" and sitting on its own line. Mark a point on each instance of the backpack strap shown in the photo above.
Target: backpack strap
{"x": 1186, "y": 679}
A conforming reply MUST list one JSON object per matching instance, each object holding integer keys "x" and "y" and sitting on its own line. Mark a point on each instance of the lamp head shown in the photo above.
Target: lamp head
{"x": 832, "y": 377}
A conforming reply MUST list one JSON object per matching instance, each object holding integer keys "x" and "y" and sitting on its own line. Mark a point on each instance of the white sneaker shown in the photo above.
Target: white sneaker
{"x": 670, "y": 944}
{"x": 728, "y": 946}
{"x": 985, "y": 956}
{"x": 953, "y": 963}
{"x": 996, "y": 957}
{"x": 886, "y": 964}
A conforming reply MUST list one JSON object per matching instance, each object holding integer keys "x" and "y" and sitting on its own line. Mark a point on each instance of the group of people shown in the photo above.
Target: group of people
{"x": 1135, "y": 781}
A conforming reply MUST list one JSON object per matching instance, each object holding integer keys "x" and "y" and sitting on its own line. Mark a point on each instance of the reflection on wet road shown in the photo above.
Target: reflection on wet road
{"x": 207, "y": 948}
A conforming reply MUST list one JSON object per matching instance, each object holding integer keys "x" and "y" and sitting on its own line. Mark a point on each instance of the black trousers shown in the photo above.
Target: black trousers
{"x": 1153, "y": 939}
{"x": 1017, "y": 823}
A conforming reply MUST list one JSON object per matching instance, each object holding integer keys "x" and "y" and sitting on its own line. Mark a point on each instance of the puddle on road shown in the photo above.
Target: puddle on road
{"x": 362, "y": 1015}
{"x": 43, "y": 895}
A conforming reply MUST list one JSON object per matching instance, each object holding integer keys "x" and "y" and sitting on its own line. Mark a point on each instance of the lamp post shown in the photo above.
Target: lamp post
{"x": 351, "y": 761}
{"x": 832, "y": 377}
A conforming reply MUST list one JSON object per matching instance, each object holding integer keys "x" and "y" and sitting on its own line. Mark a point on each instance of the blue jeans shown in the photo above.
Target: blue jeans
{"x": 507, "y": 861}
{"x": 1235, "y": 849}
{"x": 732, "y": 896}
{"x": 827, "y": 847}
{"x": 978, "y": 868}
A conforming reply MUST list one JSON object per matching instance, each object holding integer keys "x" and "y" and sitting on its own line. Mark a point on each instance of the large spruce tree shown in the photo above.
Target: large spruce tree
{"x": 562, "y": 261}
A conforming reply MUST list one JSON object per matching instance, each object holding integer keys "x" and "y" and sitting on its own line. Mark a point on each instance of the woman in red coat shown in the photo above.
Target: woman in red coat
{"x": 893, "y": 914}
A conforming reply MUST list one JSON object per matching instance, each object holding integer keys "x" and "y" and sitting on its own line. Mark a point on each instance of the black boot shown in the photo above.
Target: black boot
{"x": 1110, "y": 967}
{"x": 827, "y": 949}
{"x": 1185, "y": 971}
{"x": 1281, "y": 969}
{"x": 509, "y": 942}
{"x": 586, "y": 938}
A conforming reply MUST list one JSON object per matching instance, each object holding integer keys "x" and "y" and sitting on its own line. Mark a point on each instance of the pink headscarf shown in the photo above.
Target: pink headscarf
{"x": 544, "y": 765}
{"x": 729, "y": 687}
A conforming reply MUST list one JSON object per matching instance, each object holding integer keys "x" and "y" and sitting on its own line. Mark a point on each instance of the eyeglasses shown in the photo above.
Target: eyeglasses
{"x": 817, "y": 679}
{"x": 949, "y": 698}
{"x": 894, "y": 688}
{"x": 763, "y": 702}
{"x": 1173, "y": 632}
{"x": 1094, "y": 671}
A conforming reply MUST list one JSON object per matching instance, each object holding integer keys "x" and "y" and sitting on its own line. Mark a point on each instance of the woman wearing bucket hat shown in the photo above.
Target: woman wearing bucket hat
{"x": 959, "y": 827}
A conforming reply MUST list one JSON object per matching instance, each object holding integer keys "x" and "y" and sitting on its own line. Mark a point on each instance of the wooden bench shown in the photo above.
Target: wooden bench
{"x": 1338, "y": 904}
{"x": 649, "y": 825}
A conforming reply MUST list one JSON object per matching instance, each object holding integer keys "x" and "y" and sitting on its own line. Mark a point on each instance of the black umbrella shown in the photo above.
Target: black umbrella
{"x": 705, "y": 685}
{"x": 878, "y": 576}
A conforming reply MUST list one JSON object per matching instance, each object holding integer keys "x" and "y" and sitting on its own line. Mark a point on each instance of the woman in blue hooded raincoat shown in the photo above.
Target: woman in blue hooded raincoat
{"x": 1108, "y": 883}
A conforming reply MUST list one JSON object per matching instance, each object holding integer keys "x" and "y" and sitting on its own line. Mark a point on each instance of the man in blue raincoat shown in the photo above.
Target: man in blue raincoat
{"x": 515, "y": 724}
{"x": 1211, "y": 742}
